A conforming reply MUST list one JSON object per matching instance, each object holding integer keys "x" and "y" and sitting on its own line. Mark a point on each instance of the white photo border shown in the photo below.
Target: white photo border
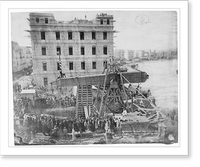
{"x": 7, "y": 137}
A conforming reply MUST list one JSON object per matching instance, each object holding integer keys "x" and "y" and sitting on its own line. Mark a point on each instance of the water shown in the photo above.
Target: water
{"x": 163, "y": 81}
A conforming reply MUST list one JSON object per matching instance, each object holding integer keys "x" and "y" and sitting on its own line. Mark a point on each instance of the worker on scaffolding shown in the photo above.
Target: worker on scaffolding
{"x": 137, "y": 90}
{"x": 124, "y": 113}
{"x": 148, "y": 93}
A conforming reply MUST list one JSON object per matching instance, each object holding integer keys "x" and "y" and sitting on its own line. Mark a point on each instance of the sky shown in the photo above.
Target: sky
{"x": 136, "y": 30}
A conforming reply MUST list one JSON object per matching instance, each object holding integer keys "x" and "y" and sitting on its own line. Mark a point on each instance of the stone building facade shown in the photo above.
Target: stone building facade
{"x": 82, "y": 46}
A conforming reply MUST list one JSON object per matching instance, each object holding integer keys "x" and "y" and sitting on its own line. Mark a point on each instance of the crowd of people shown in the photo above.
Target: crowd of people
{"x": 43, "y": 102}
{"x": 48, "y": 101}
{"x": 54, "y": 127}
{"x": 21, "y": 105}
{"x": 68, "y": 101}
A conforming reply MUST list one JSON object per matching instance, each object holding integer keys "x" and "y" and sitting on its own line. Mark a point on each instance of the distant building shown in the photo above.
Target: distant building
{"x": 27, "y": 51}
{"x": 21, "y": 57}
{"x": 138, "y": 53}
{"x": 163, "y": 54}
{"x": 153, "y": 55}
{"x": 130, "y": 54}
{"x": 167, "y": 54}
{"x": 146, "y": 54}
{"x": 119, "y": 54}
{"x": 83, "y": 47}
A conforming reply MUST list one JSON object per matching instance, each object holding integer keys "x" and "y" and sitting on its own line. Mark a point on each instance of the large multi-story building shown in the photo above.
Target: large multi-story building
{"x": 83, "y": 47}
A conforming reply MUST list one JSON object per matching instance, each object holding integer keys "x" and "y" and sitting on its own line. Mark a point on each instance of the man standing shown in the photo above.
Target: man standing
{"x": 73, "y": 134}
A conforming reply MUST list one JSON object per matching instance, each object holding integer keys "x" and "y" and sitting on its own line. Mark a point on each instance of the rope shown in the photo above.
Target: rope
{"x": 142, "y": 94}
{"x": 139, "y": 107}
{"x": 104, "y": 87}
{"x": 158, "y": 111}
{"x": 123, "y": 87}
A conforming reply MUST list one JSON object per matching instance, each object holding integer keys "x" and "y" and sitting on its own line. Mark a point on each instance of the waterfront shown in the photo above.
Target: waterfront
{"x": 163, "y": 81}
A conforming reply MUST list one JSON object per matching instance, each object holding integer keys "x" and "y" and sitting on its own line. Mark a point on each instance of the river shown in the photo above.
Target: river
{"x": 163, "y": 81}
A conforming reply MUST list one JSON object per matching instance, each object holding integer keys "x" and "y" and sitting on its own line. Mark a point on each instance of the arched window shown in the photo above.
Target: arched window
{"x": 108, "y": 21}
{"x": 42, "y": 35}
{"x": 45, "y": 81}
{"x": 105, "y": 50}
{"x": 70, "y": 50}
{"x": 69, "y": 35}
{"x": 57, "y": 35}
{"x": 58, "y": 49}
{"x": 83, "y": 65}
{"x": 82, "y": 50}
{"x": 93, "y": 35}
{"x": 44, "y": 66}
{"x": 94, "y": 50}
{"x": 71, "y": 66}
{"x": 43, "y": 50}
{"x": 46, "y": 20}
{"x": 37, "y": 20}
{"x": 104, "y": 35}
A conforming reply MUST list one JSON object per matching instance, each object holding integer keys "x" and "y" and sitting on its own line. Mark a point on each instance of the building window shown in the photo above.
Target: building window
{"x": 46, "y": 20}
{"x": 83, "y": 65}
{"x": 94, "y": 65}
{"x": 93, "y": 35}
{"x": 42, "y": 35}
{"x": 104, "y": 35}
{"x": 101, "y": 21}
{"x": 82, "y": 51}
{"x": 44, "y": 64}
{"x": 93, "y": 50}
{"x": 70, "y": 50}
{"x": 37, "y": 20}
{"x": 105, "y": 64}
{"x": 81, "y": 35}
{"x": 58, "y": 50}
{"x": 57, "y": 35}
{"x": 105, "y": 50}
{"x": 43, "y": 50}
{"x": 59, "y": 66}
{"x": 45, "y": 81}
{"x": 108, "y": 21}
{"x": 71, "y": 66}
{"x": 70, "y": 35}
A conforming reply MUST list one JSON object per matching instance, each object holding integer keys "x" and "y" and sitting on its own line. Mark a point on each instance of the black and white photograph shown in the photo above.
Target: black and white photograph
{"x": 92, "y": 77}
{"x": 95, "y": 77}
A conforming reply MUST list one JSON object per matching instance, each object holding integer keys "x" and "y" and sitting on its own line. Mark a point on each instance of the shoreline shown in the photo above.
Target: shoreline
{"x": 151, "y": 60}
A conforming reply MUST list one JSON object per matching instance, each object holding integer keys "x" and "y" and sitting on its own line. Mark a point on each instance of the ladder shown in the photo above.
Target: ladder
{"x": 84, "y": 99}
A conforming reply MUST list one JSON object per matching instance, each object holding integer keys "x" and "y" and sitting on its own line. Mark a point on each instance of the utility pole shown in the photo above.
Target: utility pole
{"x": 60, "y": 66}
{"x": 60, "y": 70}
